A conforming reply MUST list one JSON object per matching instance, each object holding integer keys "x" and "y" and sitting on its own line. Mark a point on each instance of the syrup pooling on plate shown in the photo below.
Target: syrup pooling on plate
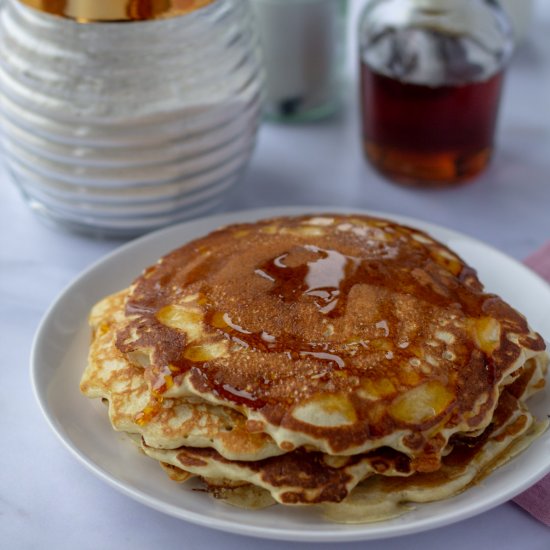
{"x": 374, "y": 324}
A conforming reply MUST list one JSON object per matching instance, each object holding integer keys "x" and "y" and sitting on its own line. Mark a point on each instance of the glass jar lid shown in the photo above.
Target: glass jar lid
{"x": 90, "y": 11}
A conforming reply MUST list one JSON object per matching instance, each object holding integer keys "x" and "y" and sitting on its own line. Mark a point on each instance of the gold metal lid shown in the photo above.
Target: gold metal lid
{"x": 89, "y": 11}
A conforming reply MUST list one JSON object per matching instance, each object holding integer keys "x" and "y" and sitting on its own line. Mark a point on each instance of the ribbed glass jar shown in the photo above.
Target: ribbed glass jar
{"x": 118, "y": 128}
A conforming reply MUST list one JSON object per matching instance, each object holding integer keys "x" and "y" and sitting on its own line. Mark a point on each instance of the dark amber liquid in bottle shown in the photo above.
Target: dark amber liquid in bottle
{"x": 424, "y": 135}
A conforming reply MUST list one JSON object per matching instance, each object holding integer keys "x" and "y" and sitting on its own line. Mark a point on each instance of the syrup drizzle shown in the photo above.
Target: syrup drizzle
{"x": 307, "y": 274}
{"x": 322, "y": 278}
{"x": 323, "y": 356}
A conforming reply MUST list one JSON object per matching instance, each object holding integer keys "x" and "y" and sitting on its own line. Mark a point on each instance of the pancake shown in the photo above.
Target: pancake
{"x": 301, "y": 477}
{"x": 342, "y": 334}
{"x": 297, "y": 477}
{"x": 346, "y": 363}
{"x": 363, "y": 488}
{"x": 381, "y": 498}
{"x": 177, "y": 422}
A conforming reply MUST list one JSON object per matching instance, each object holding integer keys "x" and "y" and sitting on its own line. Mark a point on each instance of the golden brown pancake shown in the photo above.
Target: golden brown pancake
{"x": 297, "y": 477}
{"x": 341, "y": 333}
{"x": 177, "y": 422}
{"x": 302, "y": 477}
{"x": 341, "y": 361}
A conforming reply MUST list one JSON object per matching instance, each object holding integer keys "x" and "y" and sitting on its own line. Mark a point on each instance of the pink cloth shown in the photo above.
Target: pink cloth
{"x": 536, "y": 500}
{"x": 540, "y": 261}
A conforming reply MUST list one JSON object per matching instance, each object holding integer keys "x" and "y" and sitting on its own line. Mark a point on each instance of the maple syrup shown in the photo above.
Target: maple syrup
{"x": 297, "y": 273}
{"x": 431, "y": 82}
{"x": 431, "y": 135}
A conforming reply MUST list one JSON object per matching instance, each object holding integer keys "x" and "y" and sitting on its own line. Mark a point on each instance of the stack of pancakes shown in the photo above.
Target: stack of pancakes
{"x": 348, "y": 362}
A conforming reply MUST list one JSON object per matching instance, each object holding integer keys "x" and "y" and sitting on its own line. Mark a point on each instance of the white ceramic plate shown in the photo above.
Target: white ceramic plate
{"x": 59, "y": 357}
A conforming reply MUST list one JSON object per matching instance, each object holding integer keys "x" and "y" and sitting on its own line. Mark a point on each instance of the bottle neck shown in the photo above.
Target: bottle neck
{"x": 435, "y": 42}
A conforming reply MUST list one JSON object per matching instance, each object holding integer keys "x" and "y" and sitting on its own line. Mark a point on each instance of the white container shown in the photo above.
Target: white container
{"x": 116, "y": 128}
{"x": 521, "y": 14}
{"x": 303, "y": 50}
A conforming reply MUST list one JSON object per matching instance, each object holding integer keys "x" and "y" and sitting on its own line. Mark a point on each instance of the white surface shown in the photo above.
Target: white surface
{"x": 49, "y": 500}
{"x": 61, "y": 346}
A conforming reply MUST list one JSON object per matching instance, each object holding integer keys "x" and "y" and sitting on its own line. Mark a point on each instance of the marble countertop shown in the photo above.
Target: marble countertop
{"x": 49, "y": 500}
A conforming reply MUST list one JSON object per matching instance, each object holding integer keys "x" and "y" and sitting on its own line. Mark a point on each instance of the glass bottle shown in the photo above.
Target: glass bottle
{"x": 122, "y": 116}
{"x": 303, "y": 51}
{"x": 431, "y": 82}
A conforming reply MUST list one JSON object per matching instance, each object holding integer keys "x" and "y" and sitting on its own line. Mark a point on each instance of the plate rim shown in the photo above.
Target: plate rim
{"x": 340, "y": 533}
